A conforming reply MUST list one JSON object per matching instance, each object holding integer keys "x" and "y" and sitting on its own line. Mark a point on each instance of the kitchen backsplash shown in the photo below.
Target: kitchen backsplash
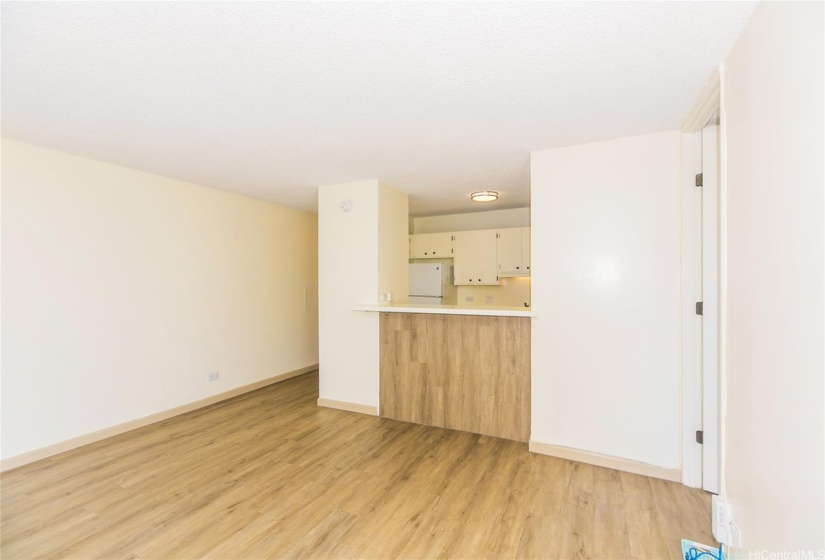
{"x": 513, "y": 292}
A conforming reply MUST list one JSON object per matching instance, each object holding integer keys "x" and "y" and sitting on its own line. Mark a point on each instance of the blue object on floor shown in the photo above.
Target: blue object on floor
{"x": 695, "y": 551}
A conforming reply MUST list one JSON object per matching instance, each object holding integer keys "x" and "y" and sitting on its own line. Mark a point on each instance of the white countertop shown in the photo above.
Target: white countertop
{"x": 446, "y": 309}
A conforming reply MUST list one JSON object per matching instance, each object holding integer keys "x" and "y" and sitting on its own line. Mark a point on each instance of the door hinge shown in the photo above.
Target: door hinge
{"x": 699, "y": 181}
{"x": 700, "y": 307}
{"x": 700, "y": 436}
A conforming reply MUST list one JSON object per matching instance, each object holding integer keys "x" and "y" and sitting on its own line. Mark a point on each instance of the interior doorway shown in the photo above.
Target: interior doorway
{"x": 702, "y": 258}
{"x": 708, "y": 309}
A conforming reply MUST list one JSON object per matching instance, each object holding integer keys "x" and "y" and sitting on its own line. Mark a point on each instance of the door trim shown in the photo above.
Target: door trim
{"x": 691, "y": 356}
{"x": 710, "y": 320}
{"x": 707, "y": 104}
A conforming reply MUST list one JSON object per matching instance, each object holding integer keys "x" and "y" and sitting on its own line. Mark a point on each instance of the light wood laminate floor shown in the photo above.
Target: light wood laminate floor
{"x": 270, "y": 475}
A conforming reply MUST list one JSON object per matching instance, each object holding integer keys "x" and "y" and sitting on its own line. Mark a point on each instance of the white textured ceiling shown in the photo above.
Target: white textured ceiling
{"x": 273, "y": 99}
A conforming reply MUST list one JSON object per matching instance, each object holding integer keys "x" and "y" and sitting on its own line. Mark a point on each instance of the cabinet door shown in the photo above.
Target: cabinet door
{"x": 486, "y": 257}
{"x": 416, "y": 247}
{"x": 509, "y": 251}
{"x": 441, "y": 245}
{"x": 525, "y": 248}
{"x": 427, "y": 241}
{"x": 464, "y": 258}
{"x": 431, "y": 246}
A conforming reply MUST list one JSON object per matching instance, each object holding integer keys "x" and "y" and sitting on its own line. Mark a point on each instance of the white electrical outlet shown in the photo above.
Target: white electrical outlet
{"x": 725, "y": 530}
{"x": 488, "y": 299}
{"x": 719, "y": 519}
{"x": 214, "y": 376}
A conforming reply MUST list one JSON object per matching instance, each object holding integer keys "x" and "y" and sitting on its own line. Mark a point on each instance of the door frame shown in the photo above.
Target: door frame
{"x": 710, "y": 296}
{"x": 708, "y": 103}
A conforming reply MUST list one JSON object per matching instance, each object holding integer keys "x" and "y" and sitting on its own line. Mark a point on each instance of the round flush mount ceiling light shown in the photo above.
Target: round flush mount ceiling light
{"x": 484, "y": 196}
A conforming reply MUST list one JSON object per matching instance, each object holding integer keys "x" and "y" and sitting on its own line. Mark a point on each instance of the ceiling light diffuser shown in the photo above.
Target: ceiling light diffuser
{"x": 484, "y": 196}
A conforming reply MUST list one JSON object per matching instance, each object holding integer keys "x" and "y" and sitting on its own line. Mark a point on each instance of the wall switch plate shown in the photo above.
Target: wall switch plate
{"x": 310, "y": 297}
{"x": 214, "y": 376}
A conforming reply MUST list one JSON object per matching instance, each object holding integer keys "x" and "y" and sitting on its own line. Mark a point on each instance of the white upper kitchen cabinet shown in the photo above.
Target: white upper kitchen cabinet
{"x": 431, "y": 246}
{"x": 509, "y": 251}
{"x": 513, "y": 251}
{"x": 475, "y": 258}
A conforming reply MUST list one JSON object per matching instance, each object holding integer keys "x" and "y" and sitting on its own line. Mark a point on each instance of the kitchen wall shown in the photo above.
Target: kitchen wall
{"x": 489, "y": 219}
{"x": 393, "y": 243}
{"x": 512, "y": 292}
{"x": 361, "y": 254}
{"x": 774, "y": 424}
{"x": 123, "y": 290}
{"x": 605, "y": 265}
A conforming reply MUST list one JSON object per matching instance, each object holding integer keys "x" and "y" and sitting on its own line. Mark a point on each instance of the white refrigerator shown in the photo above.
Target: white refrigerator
{"x": 432, "y": 284}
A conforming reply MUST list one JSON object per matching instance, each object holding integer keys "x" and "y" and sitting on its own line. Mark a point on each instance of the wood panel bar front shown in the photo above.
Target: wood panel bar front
{"x": 464, "y": 372}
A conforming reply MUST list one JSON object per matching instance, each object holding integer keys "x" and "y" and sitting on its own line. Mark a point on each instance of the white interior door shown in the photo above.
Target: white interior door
{"x": 710, "y": 311}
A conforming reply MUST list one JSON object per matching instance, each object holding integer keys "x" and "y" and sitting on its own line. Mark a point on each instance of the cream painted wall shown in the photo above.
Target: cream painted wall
{"x": 393, "y": 244}
{"x": 774, "y": 434}
{"x": 348, "y": 269}
{"x": 350, "y": 247}
{"x": 489, "y": 219}
{"x": 605, "y": 265}
{"x": 122, "y": 290}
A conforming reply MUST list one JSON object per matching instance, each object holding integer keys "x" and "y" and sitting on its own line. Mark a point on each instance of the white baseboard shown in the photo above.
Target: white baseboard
{"x": 80, "y": 441}
{"x": 349, "y": 407}
{"x": 627, "y": 465}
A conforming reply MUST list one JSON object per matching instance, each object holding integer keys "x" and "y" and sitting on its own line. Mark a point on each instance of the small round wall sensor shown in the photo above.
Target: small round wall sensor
{"x": 346, "y": 206}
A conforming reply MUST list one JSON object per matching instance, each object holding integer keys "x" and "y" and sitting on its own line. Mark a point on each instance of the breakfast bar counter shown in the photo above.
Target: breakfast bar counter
{"x": 456, "y": 367}
{"x": 489, "y": 311}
